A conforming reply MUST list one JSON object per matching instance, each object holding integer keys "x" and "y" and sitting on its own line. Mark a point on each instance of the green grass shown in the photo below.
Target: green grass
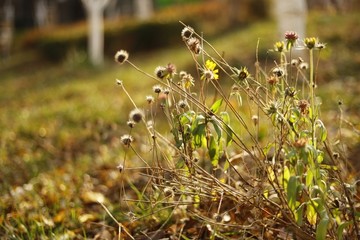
{"x": 60, "y": 125}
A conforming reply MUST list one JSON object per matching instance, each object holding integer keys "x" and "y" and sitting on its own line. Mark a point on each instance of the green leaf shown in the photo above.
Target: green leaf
{"x": 323, "y": 132}
{"x": 215, "y": 107}
{"x": 321, "y": 228}
{"x": 199, "y": 135}
{"x": 217, "y": 128}
{"x": 226, "y": 127}
{"x": 309, "y": 177}
{"x": 198, "y": 131}
{"x": 311, "y": 214}
{"x": 299, "y": 214}
{"x": 213, "y": 152}
{"x": 291, "y": 192}
{"x": 225, "y": 117}
{"x": 341, "y": 228}
{"x": 286, "y": 176}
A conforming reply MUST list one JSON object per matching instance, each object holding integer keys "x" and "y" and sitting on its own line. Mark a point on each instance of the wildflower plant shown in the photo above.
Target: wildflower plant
{"x": 262, "y": 166}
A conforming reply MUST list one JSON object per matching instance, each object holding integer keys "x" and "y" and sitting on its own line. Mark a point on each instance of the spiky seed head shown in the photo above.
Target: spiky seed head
{"x": 121, "y": 56}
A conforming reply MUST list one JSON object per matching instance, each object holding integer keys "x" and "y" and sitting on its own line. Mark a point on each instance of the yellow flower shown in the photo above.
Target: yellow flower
{"x": 210, "y": 73}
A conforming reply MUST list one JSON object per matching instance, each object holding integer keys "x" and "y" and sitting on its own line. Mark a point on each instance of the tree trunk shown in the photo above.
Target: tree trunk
{"x": 95, "y": 9}
{"x": 6, "y": 28}
{"x": 143, "y": 9}
{"x": 41, "y": 13}
{"x": 291, "y": 16}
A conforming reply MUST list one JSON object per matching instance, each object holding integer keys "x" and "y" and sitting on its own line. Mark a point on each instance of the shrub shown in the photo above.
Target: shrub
{"x": 252, "y": 161}
{"x": 55, "y": 42}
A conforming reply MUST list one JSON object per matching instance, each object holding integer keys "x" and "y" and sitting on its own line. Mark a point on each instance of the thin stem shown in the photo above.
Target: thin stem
{"x": 312, "y": 97}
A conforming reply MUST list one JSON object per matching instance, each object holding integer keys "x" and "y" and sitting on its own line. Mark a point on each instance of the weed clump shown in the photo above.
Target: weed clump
{"x": 249, "y": 161}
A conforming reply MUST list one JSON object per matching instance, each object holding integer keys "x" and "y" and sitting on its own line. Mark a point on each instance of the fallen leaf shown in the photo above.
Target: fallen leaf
{"x": 93, "y": 197}
{"x": 86, "y": 217}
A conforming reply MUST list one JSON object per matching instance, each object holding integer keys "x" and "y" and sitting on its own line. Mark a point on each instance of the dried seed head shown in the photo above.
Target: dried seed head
{"x": 187, "y": 32}
{"x": 126, "y": 140}
{"x": 166, "y": 91}
{"x": 304, "y": 65}
{"x": 119, "y": 82}
{"x": 294, "y": 62}
{"x": 136, "y": 115}
{"x": 194, "y": 45}
{"x": 272, "y": 108}
{"x": 150, "y": 99}
{"x": 121, "y": 56}
{"x": 182, "y": 74}
{"x": 157, "y": 89}
{"x": 120, "y": 167}
{"x": 160, "y": 72}
{"x": 279, "y": 72}
{"x": 169, "y": 192}
{"x": 243, "y": 74}
{"x": 182, "y": 104}
{"x": 255, "y": 119}
{"x": 290, "y": 92}
{"x": 131, "y": 124}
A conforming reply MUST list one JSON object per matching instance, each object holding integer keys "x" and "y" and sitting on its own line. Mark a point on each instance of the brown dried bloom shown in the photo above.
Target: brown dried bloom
{"x": 300, "y": 143}
{"x": 272, "y": 80}
{"x": 303, "y": 105}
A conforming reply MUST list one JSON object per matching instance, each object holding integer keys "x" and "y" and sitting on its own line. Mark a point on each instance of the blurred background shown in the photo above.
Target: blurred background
{"x": 62, "y": 114}
{"x": 56, "y": 28}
